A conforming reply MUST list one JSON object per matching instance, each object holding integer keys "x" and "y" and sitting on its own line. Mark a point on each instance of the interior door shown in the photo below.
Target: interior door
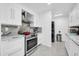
{"x": 52, "y": 32}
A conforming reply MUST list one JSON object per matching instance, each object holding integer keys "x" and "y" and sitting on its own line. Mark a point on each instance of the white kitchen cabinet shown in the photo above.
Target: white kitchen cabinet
{"x": 74, "y": 17}
{"x": 13, "y": 47}
{"x": 71, "y": 19}
{"x": 72, "y": 48}
{"x": 10, "y": 14}
{"x": 67, "y": 45}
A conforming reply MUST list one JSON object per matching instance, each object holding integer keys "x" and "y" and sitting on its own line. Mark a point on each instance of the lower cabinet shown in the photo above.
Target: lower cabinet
{"x": 13, "y": 48}
{"x": 72, "y": 48}
{"x": 67, "y": 45}
{"x": 16, "y": 52}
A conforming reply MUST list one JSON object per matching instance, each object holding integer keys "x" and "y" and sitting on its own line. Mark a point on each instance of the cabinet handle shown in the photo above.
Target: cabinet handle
{"x": 12, "y": 13}
{"x": 15, "y": 37}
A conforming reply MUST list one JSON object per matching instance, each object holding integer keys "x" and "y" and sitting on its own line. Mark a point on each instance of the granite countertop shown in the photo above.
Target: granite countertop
{"x": 74, "y": 38}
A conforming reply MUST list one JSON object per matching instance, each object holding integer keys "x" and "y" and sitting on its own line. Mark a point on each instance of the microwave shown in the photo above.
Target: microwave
{"x": 74, "y": 29}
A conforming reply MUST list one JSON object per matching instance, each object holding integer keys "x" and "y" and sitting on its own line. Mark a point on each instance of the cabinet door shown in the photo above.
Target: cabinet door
{"x": 10, "y": 14}
{"x": 16, "y": 47}
{"x": 1, "y": 13}
{"x": 11, "y": 48}
{"x": 69, "y": 47}
{"x": 76, "y": 50}
{"x": 16, "y": 14}
{"x": 70, "y": 20}
{"x": 74, "y": 17}
{"x": 73, "y": 49}
{"x": 67, "y": 44}
{"x": 4, "y": 45}
{"x": 5, "y": 13}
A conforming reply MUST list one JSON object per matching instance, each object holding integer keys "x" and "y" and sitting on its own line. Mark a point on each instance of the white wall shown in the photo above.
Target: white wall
{"x": 0, "y": 39}
{"x": 61, "y": 24}
{"x": 45, "y": 22}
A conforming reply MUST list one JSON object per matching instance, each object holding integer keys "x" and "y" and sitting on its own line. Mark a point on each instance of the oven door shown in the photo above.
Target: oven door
{"x": 31, "y": 43}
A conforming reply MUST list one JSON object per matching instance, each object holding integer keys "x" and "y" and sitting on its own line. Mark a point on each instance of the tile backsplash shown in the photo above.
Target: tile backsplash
{"x": 9, "y": 30}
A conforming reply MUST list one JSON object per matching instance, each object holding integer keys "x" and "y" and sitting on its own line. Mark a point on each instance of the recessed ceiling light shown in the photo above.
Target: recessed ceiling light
{"x": 49, "y": 3}
{"x": 58, "y": 15}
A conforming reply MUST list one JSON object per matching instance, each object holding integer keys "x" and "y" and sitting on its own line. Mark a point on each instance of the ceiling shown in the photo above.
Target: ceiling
{"x": 56, "y": 8}
{"x": 62, "y": 8}
{"x": 37, "y": 7}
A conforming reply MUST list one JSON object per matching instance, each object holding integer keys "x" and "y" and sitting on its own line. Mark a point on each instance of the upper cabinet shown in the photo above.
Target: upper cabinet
{"x": 74, "y": 17}
{"x": 10, "y": 14}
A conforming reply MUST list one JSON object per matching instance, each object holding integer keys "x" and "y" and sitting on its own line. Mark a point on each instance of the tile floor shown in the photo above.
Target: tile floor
{"x": 57, "y": 49}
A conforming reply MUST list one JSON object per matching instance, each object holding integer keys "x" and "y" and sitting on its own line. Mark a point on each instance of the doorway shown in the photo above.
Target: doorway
{"x": 52, "y": 31}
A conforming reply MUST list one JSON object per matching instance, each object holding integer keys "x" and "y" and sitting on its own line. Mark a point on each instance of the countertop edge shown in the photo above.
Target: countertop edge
{"x": 72, "y": 39}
